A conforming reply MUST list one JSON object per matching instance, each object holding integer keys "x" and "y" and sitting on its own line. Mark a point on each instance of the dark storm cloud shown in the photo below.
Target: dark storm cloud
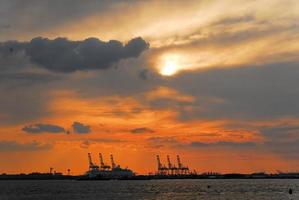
{"x": 43, "y": 128}
{"x": 12, "y": 146}
{"x": 142, "y": 130}
{"x": 81, "y": 128}
{"x": 63, "y": 55}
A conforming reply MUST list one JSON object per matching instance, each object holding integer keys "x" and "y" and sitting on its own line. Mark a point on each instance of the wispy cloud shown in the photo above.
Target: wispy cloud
{"x": 13, "y": 146}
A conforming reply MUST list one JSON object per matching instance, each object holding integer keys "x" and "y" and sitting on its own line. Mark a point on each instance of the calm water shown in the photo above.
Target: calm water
{"x": 153, "y": 189}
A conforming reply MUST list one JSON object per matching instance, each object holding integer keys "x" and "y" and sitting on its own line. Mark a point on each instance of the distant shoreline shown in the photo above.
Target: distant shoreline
{"x": 47, "y": 176}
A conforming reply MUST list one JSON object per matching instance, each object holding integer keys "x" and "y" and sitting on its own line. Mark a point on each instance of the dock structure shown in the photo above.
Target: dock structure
{"x": 171, "y": 169}
{"x": 92, "y": 166}
{"x": 103, "y": 166}
{"x": 162, "y": 169}
{"x": 105, "y": 171}
{"x": 181, "y": 168}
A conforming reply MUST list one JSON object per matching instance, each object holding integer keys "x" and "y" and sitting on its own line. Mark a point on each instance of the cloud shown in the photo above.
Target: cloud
{"x": 248, "y": 92}
{"x": 223, "y": 144}
{"x": 280, "y": 132}
{"x": 63, "y": 55}
{"x": 91, "y": 141}
{"x": 85, "y": 144}
{"x": 24, "y": 97}
{"x": 144, "y": 74}
{"x": 142, "y": 130}
{"x": 160, "y": 142}
{"x": 235, "y": 20}
{"x": 55, "y": 17}
{"x": 286, "y": 149}
{"x": 12, "y": 146}
{"x": 20, "y": 79}
{"x": 43, "y": 128}
{"x": 81, "y": 128}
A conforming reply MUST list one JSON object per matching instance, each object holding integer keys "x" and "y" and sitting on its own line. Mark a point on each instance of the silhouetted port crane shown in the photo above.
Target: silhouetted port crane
{"x": 172, "y": 169}
{"x": 162, "y": 169}
{"x": 103, "y": 166}
{"x": 181, "y": 168}
{"x": 51, "y": 170}
{"x": 92, "y": 166}
{"x": 113, "y": 165}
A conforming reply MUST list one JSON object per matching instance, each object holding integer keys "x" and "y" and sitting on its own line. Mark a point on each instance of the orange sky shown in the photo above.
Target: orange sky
{"x": 213, "y": 81}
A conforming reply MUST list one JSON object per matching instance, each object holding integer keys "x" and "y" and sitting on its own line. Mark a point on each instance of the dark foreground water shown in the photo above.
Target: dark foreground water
{"x": 150, "y": 189}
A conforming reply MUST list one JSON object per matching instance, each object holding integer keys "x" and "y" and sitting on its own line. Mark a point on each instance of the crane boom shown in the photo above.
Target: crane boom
{"x": 101, "y": 160}
{"x": 90, "y": 160}
{"x": 159, "y": 162}
{"x": 169, "y": 163}
{"x": 179, "y": 162}
{"x": 113, "y": 165}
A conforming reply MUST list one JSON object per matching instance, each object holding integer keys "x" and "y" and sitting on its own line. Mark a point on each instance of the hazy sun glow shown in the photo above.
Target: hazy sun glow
{"x": 170, "y": 65}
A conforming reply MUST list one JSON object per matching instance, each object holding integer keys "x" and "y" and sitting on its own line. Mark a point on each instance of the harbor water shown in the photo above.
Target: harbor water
{"x": 238, "y": 189}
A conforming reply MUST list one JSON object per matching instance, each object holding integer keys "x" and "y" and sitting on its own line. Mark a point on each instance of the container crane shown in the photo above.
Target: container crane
{"x": 103, "y": 166}
{"x": 162, "y": 169}
{"x": 92, "y": 166}
{"x": 181, "y": 168}
{"x": 171, "y": 168}
{"x": 113, "y": 165}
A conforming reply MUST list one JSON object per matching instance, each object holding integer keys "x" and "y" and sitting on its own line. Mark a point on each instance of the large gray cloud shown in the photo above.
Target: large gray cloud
{"x": 247, "y": 93}
{"x": 12, "y": 146}
{"x": 43, "y": 128}
{"x": 63, "y": 55}
{"x": 81, "y": 128}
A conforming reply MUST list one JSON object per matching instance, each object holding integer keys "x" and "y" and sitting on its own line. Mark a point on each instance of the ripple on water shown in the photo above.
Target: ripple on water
{"x": 147, "y": 190}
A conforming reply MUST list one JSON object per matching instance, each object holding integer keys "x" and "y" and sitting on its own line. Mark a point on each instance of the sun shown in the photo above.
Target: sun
{"x": 170, "y": 65}
{"x": 169, "y": 68}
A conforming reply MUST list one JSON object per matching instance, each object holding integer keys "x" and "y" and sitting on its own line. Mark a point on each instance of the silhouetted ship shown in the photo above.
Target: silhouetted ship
{"x": 104, "y": 171}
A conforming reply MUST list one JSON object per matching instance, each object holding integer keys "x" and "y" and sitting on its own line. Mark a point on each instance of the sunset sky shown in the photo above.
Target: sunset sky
{"x": 214, "y": 81}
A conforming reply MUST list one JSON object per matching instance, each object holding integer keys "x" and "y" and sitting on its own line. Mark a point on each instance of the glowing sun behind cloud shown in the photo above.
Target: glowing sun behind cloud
{"x": 170, "y": 64}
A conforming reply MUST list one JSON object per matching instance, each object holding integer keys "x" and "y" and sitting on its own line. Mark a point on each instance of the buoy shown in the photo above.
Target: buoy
{"x": 290, "y": 191}
{"x": 208, "y": 186}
